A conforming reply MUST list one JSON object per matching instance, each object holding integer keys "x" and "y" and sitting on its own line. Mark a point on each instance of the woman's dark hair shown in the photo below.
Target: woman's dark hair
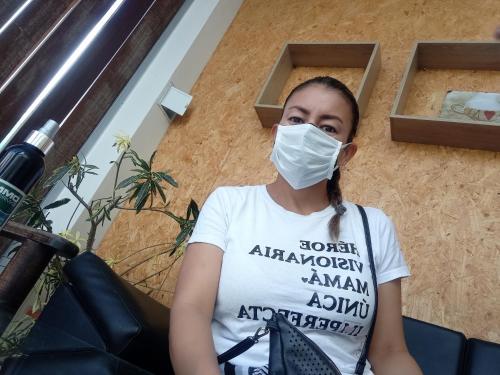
{"x": 333, "y": 186}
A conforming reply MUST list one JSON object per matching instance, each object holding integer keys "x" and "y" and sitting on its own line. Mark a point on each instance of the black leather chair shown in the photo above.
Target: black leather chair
{"x": 99, "y": 319}
{"x": 437, "y": 350}
{"x": 85, "y": 361}
{"x": 97, "y": 323}
{"x": 482, "y": 358}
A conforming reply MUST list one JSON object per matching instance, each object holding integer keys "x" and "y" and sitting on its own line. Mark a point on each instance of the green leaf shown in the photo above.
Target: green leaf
{"x": 140, "y": 206}
{"x": 192, "y": 210}
{"x": 133, "y": 153}
{"x": 142, "y": 196}
{"x": 195, "y": 209}
{"x": 127, "y": 181}
{"x": 168, "y": 178}
{"x": 79, "y": 178}
{"x": 106, "y": 213}
{"x": 181, "y": 237}
{"x": 59, "y": 203}
{"x": 138, "y": 161}
{"x": 35, "y": 220}
{"x": 154, "y": 187}
{"x": 162, "y": 194}
{"x": 115, "y": 202}
{"x": 137, "y": 188}
{"x": 100, "y": 219}
{"x": 57, "y": 175}
{"x": 95, "y": 213}
{"x": 173, "y": 250}
{"x": 151, "y": 159}
{"x": 144, "y": 164}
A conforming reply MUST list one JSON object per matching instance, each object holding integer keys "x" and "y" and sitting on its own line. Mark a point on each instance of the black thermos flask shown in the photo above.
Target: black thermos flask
{"x": 21, "y": 166}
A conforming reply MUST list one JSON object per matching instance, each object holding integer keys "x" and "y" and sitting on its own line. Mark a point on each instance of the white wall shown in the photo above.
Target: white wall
{"x": 179, "y": 57}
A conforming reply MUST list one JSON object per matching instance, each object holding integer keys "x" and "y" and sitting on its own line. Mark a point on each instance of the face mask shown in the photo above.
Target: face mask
{"x": 304, "y": 155}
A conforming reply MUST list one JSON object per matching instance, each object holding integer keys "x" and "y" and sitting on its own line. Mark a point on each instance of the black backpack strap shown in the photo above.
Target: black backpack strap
{"x": 360, "y": 366}
{"x": 242, "y": 346}
{"x": 229, "y": 369}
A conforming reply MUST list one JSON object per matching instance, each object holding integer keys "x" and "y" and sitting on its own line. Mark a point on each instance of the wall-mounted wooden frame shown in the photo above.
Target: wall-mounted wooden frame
{"x": 314, "y": 54}
{"x": 456, "y": 133}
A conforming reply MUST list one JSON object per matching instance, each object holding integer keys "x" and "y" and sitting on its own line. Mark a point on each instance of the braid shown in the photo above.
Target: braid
{"x": 335, "y": 198}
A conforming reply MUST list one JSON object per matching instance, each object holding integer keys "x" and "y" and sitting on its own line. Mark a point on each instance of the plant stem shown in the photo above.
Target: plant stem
{"x": 72, "y": 215}
{"x": 169, "y": 268}
{"x": 150, "y": 276}
{"x": 155, "y": 209}
{"x": 93, "y": 224}
{"x": 153, "y": 289}
{"x": 140, "y": 250}
{"x": 80, "y": 199}
{"x": 118, "y": 165}
{"x": 147, "y": 259}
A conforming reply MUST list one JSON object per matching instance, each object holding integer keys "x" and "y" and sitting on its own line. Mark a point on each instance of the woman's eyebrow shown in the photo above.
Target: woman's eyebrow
{"x": 301, "y": 109}
{"x": 331, "y": 117}
{"x": 322, "y": 117}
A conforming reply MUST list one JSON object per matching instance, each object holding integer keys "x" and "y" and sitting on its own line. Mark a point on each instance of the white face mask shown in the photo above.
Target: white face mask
{"x": 304, "y": 155}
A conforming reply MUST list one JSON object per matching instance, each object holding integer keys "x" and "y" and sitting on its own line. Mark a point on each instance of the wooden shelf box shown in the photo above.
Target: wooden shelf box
{"x": 317, "y": 54}
{"x": 456, "y": 133}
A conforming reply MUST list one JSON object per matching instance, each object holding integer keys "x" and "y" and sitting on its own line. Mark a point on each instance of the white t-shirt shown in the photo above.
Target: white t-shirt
{"x": 277, "y": 260}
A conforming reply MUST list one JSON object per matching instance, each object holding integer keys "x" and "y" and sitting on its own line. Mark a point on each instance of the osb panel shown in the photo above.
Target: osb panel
{"x": 444, "y": 201}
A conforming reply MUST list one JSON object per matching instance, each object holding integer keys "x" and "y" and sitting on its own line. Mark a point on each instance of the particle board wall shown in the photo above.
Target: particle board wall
{"x": 444, "y": 201}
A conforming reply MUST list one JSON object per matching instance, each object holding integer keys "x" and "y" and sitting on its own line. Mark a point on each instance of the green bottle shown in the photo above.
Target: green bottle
{"x": 21, "y": 166}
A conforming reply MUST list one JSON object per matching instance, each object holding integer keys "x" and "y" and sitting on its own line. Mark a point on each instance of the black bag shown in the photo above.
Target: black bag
{"x": 293, "y": 353}
{"x": 290, "y": 351}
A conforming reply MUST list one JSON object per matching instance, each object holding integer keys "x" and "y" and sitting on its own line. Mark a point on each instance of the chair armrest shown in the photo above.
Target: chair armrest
{"x": 57, "y": 244}
{"x": 25, "y": 267}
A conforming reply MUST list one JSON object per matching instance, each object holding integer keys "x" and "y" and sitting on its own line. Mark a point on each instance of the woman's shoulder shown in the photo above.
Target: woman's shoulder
{"x": 237, "y": 189}
{"x": 236, "y": 193}
{"x": 375, "y": 215}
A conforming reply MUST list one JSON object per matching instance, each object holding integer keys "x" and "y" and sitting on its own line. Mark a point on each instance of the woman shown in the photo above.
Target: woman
{"x": 295, "y": 247}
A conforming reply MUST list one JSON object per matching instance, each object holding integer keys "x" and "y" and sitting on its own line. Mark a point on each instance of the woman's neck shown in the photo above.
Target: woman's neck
{"x": 303, "y": 201}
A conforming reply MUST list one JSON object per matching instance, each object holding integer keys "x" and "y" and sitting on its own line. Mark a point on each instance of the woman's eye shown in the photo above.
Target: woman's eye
{"x": 328, "y": 129}
{"x": 295, "y": 120}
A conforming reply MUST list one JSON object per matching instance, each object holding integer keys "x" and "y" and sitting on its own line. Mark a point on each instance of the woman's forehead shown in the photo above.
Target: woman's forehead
{"x": 318, "y": 98}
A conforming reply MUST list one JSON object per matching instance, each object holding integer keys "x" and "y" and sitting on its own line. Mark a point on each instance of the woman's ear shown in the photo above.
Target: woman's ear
{"x": 347, "y": 154}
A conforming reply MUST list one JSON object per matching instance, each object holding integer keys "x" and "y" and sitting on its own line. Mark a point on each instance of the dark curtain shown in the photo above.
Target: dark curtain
{"x": 39, "y": 42}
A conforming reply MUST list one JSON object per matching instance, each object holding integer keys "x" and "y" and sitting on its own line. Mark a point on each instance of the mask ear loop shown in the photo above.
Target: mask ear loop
{"x": 343, "y": 147}
{"x": 337, "y": 166}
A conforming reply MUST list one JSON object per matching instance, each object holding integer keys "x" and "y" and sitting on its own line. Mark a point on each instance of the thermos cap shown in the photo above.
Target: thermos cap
{"x": 42, "y": 138}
